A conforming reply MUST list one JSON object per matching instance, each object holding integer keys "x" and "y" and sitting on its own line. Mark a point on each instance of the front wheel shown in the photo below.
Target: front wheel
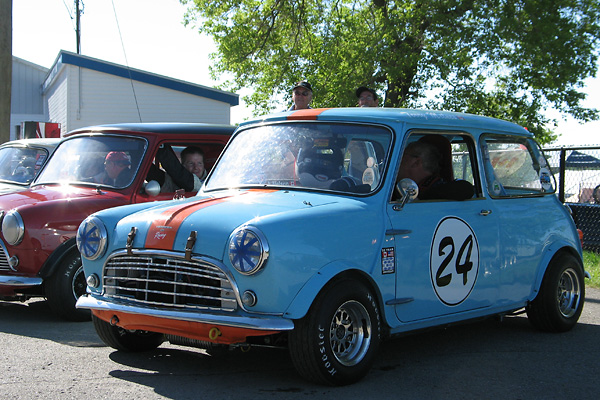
{"x": 336, "y": 342}
{"x": 124, "y": 340}
{"x": 65, "y": 286}
{"x": 559, "y": 302}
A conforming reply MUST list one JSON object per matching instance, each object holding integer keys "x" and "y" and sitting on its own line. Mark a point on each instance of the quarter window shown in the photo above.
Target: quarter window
{"x": 515, "y": 167}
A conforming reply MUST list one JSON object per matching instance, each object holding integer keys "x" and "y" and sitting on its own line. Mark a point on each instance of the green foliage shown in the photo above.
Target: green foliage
{"x": 591, "y": 262}
{"x": 505, "y": 58}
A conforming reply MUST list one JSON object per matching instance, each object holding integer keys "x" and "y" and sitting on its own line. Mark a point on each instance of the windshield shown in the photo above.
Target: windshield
{"x": 21, "y": 164}
{"x": 339, "y": 157}
{"x": 100, "y": 160}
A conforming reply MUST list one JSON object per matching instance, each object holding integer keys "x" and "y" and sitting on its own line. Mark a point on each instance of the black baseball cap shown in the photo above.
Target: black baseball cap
{"x": 303, "y": 84}
{"x": 366, "y": 89}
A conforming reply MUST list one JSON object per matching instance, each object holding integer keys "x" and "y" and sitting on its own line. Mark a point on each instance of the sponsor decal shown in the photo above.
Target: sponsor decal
{"x": 388, "y": 260}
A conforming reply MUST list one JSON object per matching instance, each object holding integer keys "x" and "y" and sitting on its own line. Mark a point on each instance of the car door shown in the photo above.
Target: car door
{"x": 446, "y": 251}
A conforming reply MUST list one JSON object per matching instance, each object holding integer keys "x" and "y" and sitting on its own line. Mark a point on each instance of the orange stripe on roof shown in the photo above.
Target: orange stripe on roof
{"x": 307, "y": 114}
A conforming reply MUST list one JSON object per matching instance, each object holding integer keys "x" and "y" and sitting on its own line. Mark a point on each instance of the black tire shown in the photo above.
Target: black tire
{"x": 65, "y": 286}
{"x": 336, "y": 342}
{"x": 124, "y": 340}
{"x": 559, "y": 302}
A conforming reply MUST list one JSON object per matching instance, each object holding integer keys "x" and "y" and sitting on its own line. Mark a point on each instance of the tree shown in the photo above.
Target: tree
{"x": 511, "y": 59}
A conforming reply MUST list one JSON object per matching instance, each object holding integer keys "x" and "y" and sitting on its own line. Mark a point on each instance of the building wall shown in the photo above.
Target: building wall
{"x": 26, "y": 103}
{"x": 79, "y": 97}
{"x": 57, "y": 100}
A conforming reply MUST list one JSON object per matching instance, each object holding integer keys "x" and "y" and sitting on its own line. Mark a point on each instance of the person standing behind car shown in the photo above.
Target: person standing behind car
{"x": 301, "y": 96}
{"x": 367, "y": 97}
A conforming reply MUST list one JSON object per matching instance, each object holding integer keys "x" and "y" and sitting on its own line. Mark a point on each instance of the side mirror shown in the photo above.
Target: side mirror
{"x": 408, "y": 190}
{"x": 152, "y": 188}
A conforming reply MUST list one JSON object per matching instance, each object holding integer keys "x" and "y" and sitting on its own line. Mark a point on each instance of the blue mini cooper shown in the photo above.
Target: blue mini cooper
{"x": 329, "y": 230}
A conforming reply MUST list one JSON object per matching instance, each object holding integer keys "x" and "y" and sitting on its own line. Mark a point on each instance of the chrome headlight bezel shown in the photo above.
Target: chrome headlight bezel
{"x": 248, "y": 250}
{"x": 13, "y": 228}
{"x": 92, "y": 238}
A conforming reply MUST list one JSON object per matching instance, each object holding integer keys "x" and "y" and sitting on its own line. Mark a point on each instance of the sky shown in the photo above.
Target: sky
{"x": 149, "y": 35}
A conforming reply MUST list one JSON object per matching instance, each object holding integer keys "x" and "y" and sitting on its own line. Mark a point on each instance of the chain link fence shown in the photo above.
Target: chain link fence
{"x": 577, "y": 171}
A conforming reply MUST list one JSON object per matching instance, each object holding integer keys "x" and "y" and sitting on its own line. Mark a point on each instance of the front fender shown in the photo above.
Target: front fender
{"x": 306, "y": 296}
{"x": 56, "y": 257}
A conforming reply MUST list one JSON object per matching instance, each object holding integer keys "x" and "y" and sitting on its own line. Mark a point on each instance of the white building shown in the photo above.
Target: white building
{"x": 80, "y": 91}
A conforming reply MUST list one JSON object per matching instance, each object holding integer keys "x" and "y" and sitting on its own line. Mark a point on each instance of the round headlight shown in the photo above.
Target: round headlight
{"x": 91, "y": 238}
{"x": 248, "y": 250}
{"x": 12, "y": 227}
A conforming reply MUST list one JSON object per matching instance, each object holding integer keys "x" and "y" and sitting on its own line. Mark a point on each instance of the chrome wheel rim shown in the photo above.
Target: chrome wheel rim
{"x": 350, "y": 333}
{"x": 568, "y": 294}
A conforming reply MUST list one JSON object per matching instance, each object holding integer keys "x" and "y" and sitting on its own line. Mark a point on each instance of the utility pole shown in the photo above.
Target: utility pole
{"x": 78, "y": 26}
{"x": 5, "y": 68}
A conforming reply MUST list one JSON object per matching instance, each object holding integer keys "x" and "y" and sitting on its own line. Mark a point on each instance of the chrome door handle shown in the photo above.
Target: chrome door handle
{"x": 485, "y": 212}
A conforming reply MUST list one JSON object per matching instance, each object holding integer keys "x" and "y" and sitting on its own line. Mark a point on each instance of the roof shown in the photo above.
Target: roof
{"x": 160, "y": 127}
{"x": 32, "y": 142}
{"x": 66, "y": 57}
{"x": 395, "y": 115}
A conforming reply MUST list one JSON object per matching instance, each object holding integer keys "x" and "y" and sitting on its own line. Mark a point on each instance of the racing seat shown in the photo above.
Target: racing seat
{"x": 318, "y": 165}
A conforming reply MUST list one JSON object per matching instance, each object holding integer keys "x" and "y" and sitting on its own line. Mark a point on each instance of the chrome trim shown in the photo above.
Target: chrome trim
{"x": 7, "y": 280}
{"x": 234, "y": 301}
{"x": 262, "y": 322}
{"x": 4, "y": 257}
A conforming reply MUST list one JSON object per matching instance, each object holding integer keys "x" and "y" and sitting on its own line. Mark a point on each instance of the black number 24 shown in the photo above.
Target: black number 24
{"x": 463, "y": 268}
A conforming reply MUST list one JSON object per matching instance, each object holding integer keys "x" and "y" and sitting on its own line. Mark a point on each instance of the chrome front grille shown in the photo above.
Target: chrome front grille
{"x": 3, "y": 258}
{"x": 168, "y": 282}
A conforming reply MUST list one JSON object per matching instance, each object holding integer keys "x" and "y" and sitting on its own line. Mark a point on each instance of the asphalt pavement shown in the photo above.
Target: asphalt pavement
{"x": 43, "y": 357}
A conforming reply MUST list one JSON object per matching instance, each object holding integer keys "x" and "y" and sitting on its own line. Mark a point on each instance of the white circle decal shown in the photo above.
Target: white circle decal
{"x": 454, "y": 260}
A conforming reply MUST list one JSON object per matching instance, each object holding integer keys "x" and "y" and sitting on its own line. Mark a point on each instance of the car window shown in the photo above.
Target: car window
{"x": 441, "y": 164}
{"x": 347, "y": 158}
{"x": 21, "y": 164}
{"x": 515, "y": 167}
{"x": 99, "y": 160}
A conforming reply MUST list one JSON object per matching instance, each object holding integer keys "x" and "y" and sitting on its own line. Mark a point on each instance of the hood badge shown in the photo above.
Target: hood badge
{"x": 130, "y": 238}
{"x": 190, "y": 245}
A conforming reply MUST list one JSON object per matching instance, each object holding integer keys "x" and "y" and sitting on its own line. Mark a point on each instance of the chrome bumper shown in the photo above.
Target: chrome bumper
{"x": 260, "y": 322}
{"x": 20, "y": 281}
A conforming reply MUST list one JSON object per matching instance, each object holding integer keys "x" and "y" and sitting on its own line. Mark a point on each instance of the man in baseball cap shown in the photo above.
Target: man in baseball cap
{"x": 301, "y": 96}
{"x": 367, "y": 97}
{"x": 114, "y": 164}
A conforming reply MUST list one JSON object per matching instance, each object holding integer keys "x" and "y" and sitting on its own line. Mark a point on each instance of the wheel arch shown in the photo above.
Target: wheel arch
{"x": 547, "y": 259}
{"x": 325, "y": 278}
{"x": 56, "y": 257}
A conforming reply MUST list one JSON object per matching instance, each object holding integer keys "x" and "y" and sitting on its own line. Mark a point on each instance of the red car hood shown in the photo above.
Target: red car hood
{"x": 42, "y": 193}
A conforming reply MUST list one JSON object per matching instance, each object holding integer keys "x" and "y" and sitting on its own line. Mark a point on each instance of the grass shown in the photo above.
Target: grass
{"x": 591, "y": 262}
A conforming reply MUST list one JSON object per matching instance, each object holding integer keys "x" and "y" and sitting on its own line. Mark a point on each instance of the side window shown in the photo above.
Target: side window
{"x": 515, "y": 167}
{"x": 441, "y": 164}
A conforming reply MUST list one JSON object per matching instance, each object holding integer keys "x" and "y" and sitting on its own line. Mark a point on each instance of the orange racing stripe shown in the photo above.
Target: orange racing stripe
{"x": 307, "y": 114}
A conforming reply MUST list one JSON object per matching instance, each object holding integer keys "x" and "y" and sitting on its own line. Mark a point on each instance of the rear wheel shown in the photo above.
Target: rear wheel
{"x": 124, "y": 340}
{"x": 65, "y": 286}
{"x": 335, "y": 343}
{"x": 559, "y": 302}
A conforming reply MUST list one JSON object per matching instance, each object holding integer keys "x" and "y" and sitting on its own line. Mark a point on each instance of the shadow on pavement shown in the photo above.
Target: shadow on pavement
{"x": 35, "y": 319}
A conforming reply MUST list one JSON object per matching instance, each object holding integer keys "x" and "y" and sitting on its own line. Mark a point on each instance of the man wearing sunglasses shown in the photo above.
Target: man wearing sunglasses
{"x": 301, "y": 96}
